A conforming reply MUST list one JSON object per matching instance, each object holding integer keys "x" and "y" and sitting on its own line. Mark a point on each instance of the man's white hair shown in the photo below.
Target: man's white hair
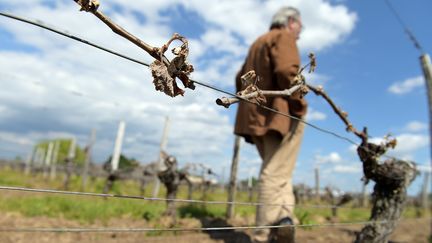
{"x": 281, "y": 17}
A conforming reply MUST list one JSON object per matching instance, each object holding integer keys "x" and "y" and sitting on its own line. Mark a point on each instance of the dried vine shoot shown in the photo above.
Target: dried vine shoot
{"x": 391, "y": 178}
{"x": 164, "y": 71}
{"x": 258, "y": 96}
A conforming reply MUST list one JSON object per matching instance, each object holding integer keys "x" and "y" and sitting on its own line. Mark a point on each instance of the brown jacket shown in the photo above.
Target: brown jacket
{"x": 274, "y": 57}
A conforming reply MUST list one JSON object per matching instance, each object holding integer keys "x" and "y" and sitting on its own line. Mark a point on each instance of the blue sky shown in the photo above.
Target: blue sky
{"x": 365, "y": 63}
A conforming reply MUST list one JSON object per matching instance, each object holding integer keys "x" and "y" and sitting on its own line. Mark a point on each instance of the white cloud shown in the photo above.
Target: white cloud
{"x": 416, "y": 126}
{"x": 5, "y": 112}
{"x": 425, "y": 168}
{"x": 13, "y": 138}
{"x": 407, "y": 85}
{"x": 252, "y": 161}
{"x": 348, "y": 168}
{"x": 333, "y": 157}
{"x": 313, "y": 115}
{"x": 407, "y": 145}
{"x": 326, "y": 23}
{"x": 50, "y": 78}
{"x": 316, "y": 79}
{"x": 190, "y": 114}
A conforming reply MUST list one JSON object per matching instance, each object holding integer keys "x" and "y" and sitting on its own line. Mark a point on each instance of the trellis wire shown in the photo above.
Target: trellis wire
{"x": 410, "y": 34}
{"x": 138, "y": 230}
{"x": 83, "y": 230}
{"x": 42, "y": 25}
{"x": 92, "y": 194}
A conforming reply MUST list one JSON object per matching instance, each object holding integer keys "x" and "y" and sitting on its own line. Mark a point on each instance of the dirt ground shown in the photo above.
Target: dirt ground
{"x": 408, "y": 230}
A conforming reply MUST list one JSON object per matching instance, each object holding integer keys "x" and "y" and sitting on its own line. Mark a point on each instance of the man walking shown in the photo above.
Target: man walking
{"x": 275, "y": 59}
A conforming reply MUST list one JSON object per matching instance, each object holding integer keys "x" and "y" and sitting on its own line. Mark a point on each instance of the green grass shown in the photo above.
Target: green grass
{"x": 87, "y": 210}
{"x": 81, "y": 208}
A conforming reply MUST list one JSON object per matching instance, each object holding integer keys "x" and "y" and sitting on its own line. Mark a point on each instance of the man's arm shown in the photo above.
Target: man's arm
{"x": 238, "y": 82}
{"x": 286, "y": 59}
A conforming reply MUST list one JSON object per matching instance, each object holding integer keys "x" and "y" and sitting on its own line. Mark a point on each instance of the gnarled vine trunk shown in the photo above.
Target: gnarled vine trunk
{"x": 390, "y": 192}
{"x": 171, "y": 178}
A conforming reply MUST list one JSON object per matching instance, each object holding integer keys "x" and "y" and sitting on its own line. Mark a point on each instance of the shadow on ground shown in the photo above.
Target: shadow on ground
{"x": 209, "y": 220}
{"x": 228, "y": 236}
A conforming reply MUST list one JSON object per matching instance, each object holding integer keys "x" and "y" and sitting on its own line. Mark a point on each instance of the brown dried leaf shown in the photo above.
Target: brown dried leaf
{"x": 164, "y": 77}
{"x": 304, "y": 90}
{"x": 249, "y": 89}
{"x": 313, "y": 63}
{"x": 299, "y": 79}
{"x": 181, "y": 69}
{"x": 392, "y": 143}
{"x": 389, "y": 141}
{"x": 260, "y": 98}
{"x": 249, "y": 78}
{"x": 163, "y": 81}
{"x": 249, "y": 81}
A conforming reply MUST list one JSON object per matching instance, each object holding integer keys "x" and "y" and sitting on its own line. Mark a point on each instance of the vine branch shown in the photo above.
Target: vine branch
{"x": 252, "y": 92}
{"x": 226, "y": 102}
{"x": 164, "y": 71}
{"x": 342, "y": 114}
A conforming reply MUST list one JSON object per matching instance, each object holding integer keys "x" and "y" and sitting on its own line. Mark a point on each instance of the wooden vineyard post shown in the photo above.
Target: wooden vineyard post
{"x": 54, "y": 162}
{"x": 39, "y": 159}
{"x": 364, "y": 196}
{"x": 317, "y": 184}
{"x": 69, "y": 163}
{"x": 427, "y": 72}
{"x": 250, "y": 184}
{"x": 163, "y": 145}
{"x": 115, "y": 159}
{"x": 233, "y": 178}
{"x": 47, "y": 162}
{"x": 88, "y": 150}
{"x": 424, "y": 192}
{"x": 29, "y": 162}
{"x": 222, "y": 180}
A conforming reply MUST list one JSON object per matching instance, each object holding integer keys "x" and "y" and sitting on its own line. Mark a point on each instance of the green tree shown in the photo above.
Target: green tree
{"x": 63, "y": 150}
{"x": 124, "y": 163}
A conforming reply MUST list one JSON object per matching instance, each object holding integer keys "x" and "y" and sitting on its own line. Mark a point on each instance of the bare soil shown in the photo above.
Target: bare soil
{"x": 408, "y": 230}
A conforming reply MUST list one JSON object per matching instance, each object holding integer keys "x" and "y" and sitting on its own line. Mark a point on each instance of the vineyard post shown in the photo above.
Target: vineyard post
{"x": 364, "y": 196}
{"x": 233, "y": 178}
{"x": 424, "y": 193}
{"x": 53, "y": 169}
{"x": 29, "y": 162}
{"x": 47, "y": 161}
{"x": 40, "y": 157}
{"x": 118, "y": 146}
{"x": 115, "y": 158}
{"x": 163, "y": 145}
{"x": 69, "y": 163}
{"x": 87, "y": 159}
{"x": 317, "y": 184}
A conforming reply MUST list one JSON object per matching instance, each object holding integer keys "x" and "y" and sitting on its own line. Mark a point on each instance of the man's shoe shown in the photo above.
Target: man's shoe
{"x": 283, "y": 234}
